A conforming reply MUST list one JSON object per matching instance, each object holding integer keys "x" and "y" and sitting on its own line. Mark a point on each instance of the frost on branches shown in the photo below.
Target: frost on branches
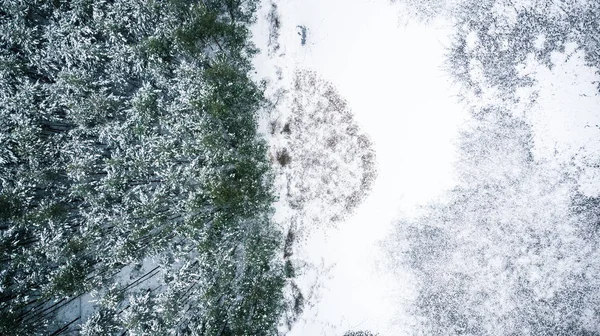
{"x": 329, "y": 164}
{"x": 514, "y": 248}
{"x": 512, "y": 251}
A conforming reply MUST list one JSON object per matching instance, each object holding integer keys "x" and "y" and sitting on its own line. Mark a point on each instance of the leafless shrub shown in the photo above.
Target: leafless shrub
{"x": 274, "y": 26}
{"x": 283, "y": 157}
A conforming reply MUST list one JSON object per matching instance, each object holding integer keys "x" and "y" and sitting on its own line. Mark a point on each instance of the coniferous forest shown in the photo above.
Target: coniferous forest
{"x": 128, "y": 137}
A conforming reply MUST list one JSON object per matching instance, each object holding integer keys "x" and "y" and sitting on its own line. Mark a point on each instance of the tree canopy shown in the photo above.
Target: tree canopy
{"x": 128, "y": 132}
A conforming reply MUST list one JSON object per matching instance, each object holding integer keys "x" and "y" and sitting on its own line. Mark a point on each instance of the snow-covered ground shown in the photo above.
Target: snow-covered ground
{"x": 565, "y": 117}
{"x": 390, "y": 74}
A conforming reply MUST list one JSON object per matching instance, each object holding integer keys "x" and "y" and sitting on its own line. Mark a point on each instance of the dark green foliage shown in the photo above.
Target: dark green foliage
{"x": 128, "y": 131}
{"x": 9, "y": 207}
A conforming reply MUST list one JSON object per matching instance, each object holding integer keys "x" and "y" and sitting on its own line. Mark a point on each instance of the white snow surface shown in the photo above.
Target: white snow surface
{"x": 391, "y": 76}
{"x": 565, "y": 117}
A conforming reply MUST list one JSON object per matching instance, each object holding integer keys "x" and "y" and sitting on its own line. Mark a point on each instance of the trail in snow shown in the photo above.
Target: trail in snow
{"x": 392, "y": 79}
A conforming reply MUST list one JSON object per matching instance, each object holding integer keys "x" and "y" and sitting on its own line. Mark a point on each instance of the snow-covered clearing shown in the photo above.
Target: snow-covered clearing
{"x": 391, "y": 77}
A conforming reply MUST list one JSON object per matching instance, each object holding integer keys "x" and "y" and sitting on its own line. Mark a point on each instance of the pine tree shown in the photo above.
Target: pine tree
{"x": 128, "y": 132}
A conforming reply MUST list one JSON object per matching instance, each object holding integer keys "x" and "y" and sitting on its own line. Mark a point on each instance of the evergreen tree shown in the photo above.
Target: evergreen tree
{"x": 128, "y": 131}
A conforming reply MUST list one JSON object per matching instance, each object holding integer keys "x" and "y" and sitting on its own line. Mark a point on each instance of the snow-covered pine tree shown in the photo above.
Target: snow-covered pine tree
{"x": 129, "y": 131}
